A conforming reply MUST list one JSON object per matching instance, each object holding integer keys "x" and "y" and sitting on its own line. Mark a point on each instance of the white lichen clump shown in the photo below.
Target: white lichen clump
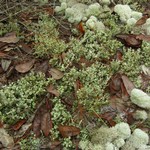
{"x": 126, "y": 14}
{"x": 140, "y": 115}
{"x": 140, "y": 98}
{"x": 118, "y": 137}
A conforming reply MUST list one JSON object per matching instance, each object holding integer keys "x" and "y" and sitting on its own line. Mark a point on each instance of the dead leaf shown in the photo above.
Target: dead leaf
{"x": 146, "y": 70}
{"x": 67, "y": 131}
{"x": 143, "y": 37}
{"x": 42, "y": 121}
{"x": 18, "y": 125}
{"x": 9, "y": 38}
{"x": 25, "y": 67}
{"x": 52, "y": 90}
{"x": 45, "y": 123}
{"x": 127, "y": 83}
{"x": 81, "y": 28}
{"x": 56, "y": 74}
{"x": 142, "y": 20}
{"x": 6, "y": 140}
{"x": 25, "y": 48}
{"x": 5, "y": 63}
{"x": 129, "y": 40}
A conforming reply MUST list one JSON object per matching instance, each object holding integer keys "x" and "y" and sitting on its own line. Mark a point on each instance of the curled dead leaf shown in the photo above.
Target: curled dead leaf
{"x": 25, "y": 67}
{"x": 56, "y": 74}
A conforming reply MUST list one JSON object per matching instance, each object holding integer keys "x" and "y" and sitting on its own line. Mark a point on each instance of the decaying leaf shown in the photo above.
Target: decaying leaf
{"x": 5, "y": 63}
{"x": 56, "y": 74}
{"x": 142, "y": 20}
{"x": 129, "y": 40}
{"x": 9, "y": 38}
{"x": 52, "y": 90}
{"x": 67, "y": 131}
{"x": 146, "y": 70}
{"x": 143, "y": 37}
{"x": 127, "y": 83}
{"x": 25, "y": 67}
{"x": 6, "y": 140}
{"x": 42, "y": 121}
{"x": 45, "y": 124}
{"x": 81, "y": 28}
{"x": 18, "y": 125}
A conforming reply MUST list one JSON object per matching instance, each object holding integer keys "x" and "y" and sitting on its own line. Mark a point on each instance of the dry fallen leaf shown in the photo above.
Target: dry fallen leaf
{"x": 142, "y": 20}
{"x": 9, "y": 38}
{"x": 56, "y": 74}
{"x": 25, "y": 67}
{"x": 6, "y": 140}
{"x": 129, "y": 40}
{"x": 5, "y": 63}
{"x": 45, "y": 123}
{"x": 52, "y": 90}
{"x": 129, "y": 86}
{"x": 67, "y": 131}
{"x": 18, "y": 125}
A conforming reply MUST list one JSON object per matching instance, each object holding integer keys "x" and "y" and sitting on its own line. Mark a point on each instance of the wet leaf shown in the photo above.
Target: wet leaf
{"x": 5, "y": 63}
{"x": 129, "y": 40}
{"x": 67, "y": 131}
{"x": 56, "y": 74}
{"x": 127, "y": 83}
{"x": 25, "y": 67}
{"x": 18, "y": 125}
{"x": 9, "y": 38}
{"x": 52, "y": 90}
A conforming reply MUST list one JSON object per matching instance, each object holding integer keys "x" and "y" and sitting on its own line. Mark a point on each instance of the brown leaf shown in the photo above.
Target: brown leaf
{"x": 67, "y": 131}
{"x": 117, "y": 103}
{"x": 56, "y": 74}
{"x": 18, "y": 125}
{"x": 52, "y": 90}
{"x": 6, "y": 140}
{"x": 128, "y": 84}
{"x": 9, "y": 38}
{"x": 45, "y": 123}
{"x": 81, "y": 28}
{"x": 143, "y": 37}
{"x": 25, "y": 67}
{"x": 129, "y": 40}
{"x": 25, "y": 48}
{"x": 142, "y": 20}
{"x": 5, "y": 63}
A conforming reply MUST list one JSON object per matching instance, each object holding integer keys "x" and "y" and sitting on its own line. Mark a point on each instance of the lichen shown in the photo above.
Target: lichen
{"x": 18, "y": 99}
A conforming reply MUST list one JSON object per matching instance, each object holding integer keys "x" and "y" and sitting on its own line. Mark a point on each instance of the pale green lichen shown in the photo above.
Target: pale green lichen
{"x": 47, "y": 42}
{"x": 18, "y": 100}
{"x": 31, "y": 143}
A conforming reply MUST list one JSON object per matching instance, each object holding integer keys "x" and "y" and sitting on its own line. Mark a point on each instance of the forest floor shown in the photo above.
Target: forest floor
{"x": 80, "y": 90}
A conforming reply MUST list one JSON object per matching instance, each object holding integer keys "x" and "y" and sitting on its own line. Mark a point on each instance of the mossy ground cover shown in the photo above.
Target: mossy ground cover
{"x": 61, "y": 83}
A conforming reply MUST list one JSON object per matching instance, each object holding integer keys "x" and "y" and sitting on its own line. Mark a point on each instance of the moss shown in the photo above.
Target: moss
{"x": 18, "y": 100}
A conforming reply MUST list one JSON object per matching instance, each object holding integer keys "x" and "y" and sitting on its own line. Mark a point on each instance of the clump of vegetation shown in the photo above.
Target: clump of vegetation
{"x": 31, "y": 143}
{"x": 47, "y": 42}
{"x": 18, "y": 100}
